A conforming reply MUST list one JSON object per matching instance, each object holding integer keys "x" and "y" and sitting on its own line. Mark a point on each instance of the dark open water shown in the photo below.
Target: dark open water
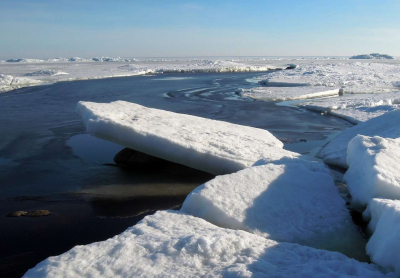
{"x": 48, "y": 162}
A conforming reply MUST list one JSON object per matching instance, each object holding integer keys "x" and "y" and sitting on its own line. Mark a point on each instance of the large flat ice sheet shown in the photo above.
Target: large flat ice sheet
{"x": 172, "y": 244}
{"x": 373, "y": 168}
{"x": 386, "y": 125}
{"x": 292, "y": 202}
{"x": 213, "y": 146}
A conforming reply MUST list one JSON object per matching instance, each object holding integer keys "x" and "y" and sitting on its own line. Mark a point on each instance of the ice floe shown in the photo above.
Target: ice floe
{"x": 292, "y": 202}
{"x": 288, "y": 93}
{"x": 213, "y": 146}
{"x": 373, "y": 168}
{"x": 384, "y": 244}
{"x": 386, "y": 125}
{"x": 172, "y": 244}
{"x": 356, "y": 108}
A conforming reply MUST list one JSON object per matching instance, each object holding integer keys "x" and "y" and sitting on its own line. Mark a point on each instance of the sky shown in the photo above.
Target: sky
{"x": 169, "y": 28}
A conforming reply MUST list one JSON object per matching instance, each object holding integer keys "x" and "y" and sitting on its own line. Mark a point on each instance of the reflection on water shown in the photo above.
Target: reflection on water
{"x": 92, "y": 149}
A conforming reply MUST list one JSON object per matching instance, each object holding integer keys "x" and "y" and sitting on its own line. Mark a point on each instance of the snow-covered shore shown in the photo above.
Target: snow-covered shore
{"x": 31, "y": 72}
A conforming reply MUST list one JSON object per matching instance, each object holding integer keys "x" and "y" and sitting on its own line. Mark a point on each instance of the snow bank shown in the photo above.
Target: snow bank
{"x": 353, "y": 77}
{"x": 288, "y": 93}
{"x": 213, "y": 146}
{"x": 373, "y": 168}
{"x": 356, "y": 108}
{"x": 292, "y": 202}
{"x": 8, "y": 82}
{"x": 172, "y": 244}
{"x": 386, "y": 125}
{"x": 384, "y": 245}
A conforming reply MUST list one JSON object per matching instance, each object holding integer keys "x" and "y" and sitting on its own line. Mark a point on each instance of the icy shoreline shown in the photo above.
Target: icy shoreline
{"x": 278, "y": 197}
{"x": 292, "y": 188}
{"x": 30, "y": 72}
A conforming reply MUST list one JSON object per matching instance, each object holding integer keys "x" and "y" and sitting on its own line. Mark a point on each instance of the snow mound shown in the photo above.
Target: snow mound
{"x": 288, "y": 93}
{"x": 356, "y": 108}
{"x": 372, "y": 56}
{"x": 386, "y": 125}
{"x": 45, "y": 73}
{"x": 373, "y": 168}
{"x": 384, "y": 244}
{"x": 213, "y": 146}
{"x": 293, "y": 202}
{"x": 172, "y": 244}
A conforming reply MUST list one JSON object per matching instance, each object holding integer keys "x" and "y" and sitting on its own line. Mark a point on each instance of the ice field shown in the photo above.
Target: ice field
{"x": 271, "y": 212}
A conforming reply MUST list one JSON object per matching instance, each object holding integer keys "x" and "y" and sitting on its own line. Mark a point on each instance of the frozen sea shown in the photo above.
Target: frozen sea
{"x": 48, "y": 161}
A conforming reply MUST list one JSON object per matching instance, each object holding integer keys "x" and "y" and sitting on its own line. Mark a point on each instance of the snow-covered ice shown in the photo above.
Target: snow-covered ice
{"x": 172, "y": 244}
{"x": 354, "y": 77}
{"x": 373, "y": 168}
{"x": 45, "y": 72}
{"x": 356, "y": 108}
{"x": 371, "y": 56}
{"x": 291, "y": 202}
{"x": 8, "y": 82}
{"x": 63, "y": 69}
{"x": 386, "y": 125}
{"x": 384, "y": 244}
{"x": 213, "y": 146}
{"x": 288, "y": 93}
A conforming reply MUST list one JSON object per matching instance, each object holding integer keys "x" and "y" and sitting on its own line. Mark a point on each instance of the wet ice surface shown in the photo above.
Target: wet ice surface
{"x": 50, "y": 163}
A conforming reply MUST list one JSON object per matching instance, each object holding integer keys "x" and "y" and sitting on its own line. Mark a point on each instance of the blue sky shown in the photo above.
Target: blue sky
{"x": 51, "y": 28}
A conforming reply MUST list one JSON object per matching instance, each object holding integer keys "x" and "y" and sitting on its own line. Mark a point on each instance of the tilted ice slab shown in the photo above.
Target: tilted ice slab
{"x": 386, "y": 125}
{"x": 213, "y": 146}
{"x": 373, "y": 168}
{"x": 172, "y": 244}
{"x": 356, "y": 108}
{"x": 296, "y": 201}
{"x": 288, "y": 93}
{"x": 384, "y": 244}
{"x": 354, "y": 77}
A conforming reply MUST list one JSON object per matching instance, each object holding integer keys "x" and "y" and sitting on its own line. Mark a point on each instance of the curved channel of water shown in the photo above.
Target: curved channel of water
{"x": 47, "y": 161}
